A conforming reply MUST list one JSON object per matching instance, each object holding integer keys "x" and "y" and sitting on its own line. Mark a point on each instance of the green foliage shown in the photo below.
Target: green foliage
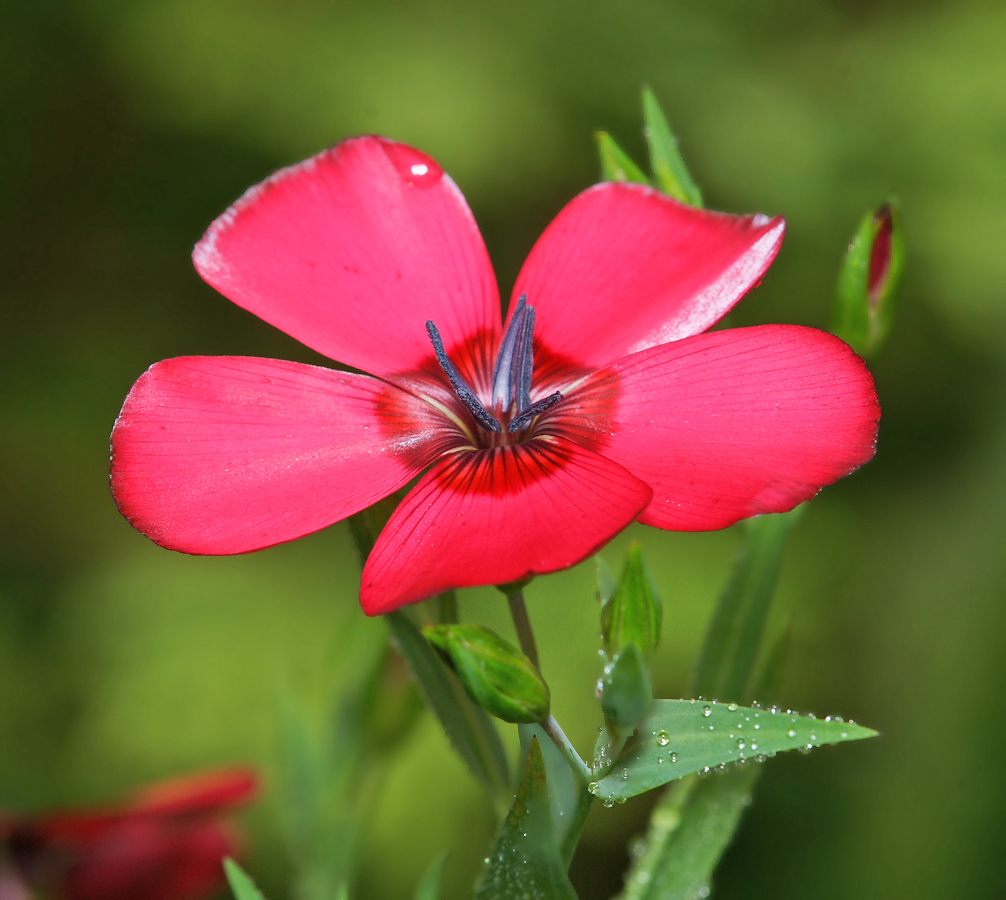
{"x": 669, "y": 168}
{"x": 496, "y": 675}
{"x": 634, "y": 611}
{"x": 429, "y": 887}
{"x": 562, "y": 792}
{"x": 627, "y": 693}
{"x": 864, "y": 298}
{"x": 470, "y": 731}
{"x": 241, "y": 884}
{"x": 525, "y": 861}
{"x": 734, "y": 638}
{"x": 689, "y": 830}
{"x": 616, "y": 164}
{"x": 680, "y": 737}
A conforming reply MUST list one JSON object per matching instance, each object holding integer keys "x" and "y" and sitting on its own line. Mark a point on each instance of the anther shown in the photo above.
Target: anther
{"x": 467, "y": 396}
{"x": 503, "y": 373}
{"x": 519, "y": 423}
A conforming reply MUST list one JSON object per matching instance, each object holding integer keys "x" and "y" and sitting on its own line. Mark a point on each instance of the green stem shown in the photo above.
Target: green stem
{"x": 584, "y": 803}
{"x": 580, "y": 771}
{"x": 518, "y": 612}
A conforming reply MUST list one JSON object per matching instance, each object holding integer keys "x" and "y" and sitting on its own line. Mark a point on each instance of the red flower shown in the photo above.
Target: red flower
{"x": 165, "y": 843}
{"x": 527, "y": 461}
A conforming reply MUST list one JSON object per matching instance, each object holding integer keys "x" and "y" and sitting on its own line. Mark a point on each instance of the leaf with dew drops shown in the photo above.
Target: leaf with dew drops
{"x": 526, "y": 861}
{"x": 681, "y": 737}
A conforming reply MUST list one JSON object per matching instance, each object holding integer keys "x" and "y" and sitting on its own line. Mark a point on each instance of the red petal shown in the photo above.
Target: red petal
{"x": 352, "y": 251}
{"x": 149, "y": 860}
{"x": 231, "y": 454}
{"x": 730, "y": 424}
{"x": 623, "y": 267}
{"x": 495, "y": 516}
{"x": 195, "y": 795}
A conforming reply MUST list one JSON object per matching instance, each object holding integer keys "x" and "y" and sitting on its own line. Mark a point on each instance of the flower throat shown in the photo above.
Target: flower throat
{"x": 511, "y": 375}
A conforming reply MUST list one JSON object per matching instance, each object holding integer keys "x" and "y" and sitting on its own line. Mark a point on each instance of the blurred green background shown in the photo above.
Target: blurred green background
{"x": 126, "y": 127}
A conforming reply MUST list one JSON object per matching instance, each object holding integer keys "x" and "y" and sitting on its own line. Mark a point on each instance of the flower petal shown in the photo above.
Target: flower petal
{"x": 729, "y": 424}
{"x": 352, "y": 251}
{"x": 495, "y": 516}
{"x": 624, "y": 267}
{"x": 199, "y": 794}
{"x": 223, "y": 455}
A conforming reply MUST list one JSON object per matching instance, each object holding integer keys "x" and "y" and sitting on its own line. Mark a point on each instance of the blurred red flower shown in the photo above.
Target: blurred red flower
{"x": 600, "y": 402}
{"x": 166, "y": 842}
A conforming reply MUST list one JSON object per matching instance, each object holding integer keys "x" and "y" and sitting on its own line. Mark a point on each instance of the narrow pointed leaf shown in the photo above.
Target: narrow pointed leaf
{"x": 241, "y": 884}
{"x": 665, "y": 159}
{"x": 561, "y": 784}
{"x": 429, "y": 887}
{"x": 606, "y": 583}
{"x": 735, "y": 633}
{"x": 680, "y": 737}
{"x": 690, "y": 829}
{"x": 469, "y": 729}
{"x": 616, "y": 164}
{"x": 526, "y": 861}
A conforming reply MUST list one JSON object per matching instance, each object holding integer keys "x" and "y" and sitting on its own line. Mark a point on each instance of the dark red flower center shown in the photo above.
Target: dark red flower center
{"x": 511, "y": 376}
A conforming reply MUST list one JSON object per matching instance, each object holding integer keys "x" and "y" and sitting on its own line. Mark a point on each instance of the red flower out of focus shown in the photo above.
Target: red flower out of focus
{"x": 165, "y": 843}
{"x": 601, "y": 401}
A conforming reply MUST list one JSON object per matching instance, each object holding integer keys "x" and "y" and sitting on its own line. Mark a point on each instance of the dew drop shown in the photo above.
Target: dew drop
{"x": 741, "y": 744}
{"x": 732, "y": 707}
{"x": 486, "y": 860}
{"x": 416, "y": 168}
{"x": 706, "y": 711}
{"x": 674, "y": 757}
{"x": 663, "y": 738}
{"x": 592, "y": 787}
{"x": 625, "y": 774}
{"x": 608, "y": 803}
{"x": 791, "y": 733}
{"x": 754, "y": 745}
{"x": 660, "y": 760}
{"x": 757, "y": 726}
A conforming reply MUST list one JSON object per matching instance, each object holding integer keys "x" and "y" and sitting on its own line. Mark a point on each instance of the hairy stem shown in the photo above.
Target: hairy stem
{"x": 518, "y": 612}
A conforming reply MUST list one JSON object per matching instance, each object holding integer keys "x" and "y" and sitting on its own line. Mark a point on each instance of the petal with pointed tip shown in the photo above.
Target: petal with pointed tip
{"x": 496, "y": 516}
{"x": 218, "y": 455}
{"x": 352, "y": 251}
{"x": 624, "y": 267}
{"x": 729, "y": 424}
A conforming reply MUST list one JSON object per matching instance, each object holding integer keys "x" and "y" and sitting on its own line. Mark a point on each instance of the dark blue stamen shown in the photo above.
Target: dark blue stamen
{"x": 519, "y": 423}
{"x": 461, "y": 388}
{"x": 523, "y": 364}
{"x": 503, "y": 373}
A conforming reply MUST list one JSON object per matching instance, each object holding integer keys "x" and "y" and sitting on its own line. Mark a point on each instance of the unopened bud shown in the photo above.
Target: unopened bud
{"x": 627, "y": 694}
{"x": 496, "y": 675}
{"x": 864, "y": 302}
{"x": 633, "y": 612}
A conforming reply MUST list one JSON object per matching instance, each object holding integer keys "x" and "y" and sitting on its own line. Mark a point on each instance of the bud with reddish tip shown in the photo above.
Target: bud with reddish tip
{"x": 864, "y": 303}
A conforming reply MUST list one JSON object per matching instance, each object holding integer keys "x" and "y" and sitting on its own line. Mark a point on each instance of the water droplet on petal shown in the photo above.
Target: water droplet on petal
{"x": 417, "y": 169}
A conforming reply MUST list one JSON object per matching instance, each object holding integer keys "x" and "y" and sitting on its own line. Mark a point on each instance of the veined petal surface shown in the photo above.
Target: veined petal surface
{"x": 624, "y": 267}
{"x": 218, "y": 455}
{"x": 351, "y": 252}
{"x": 729, "y": 424}
{"x": 495, "y": 516}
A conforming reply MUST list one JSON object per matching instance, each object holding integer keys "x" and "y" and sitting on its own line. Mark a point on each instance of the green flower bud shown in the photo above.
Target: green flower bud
{"x": 496, "y": 675}
{"x": 634, "y": 611}
{"x": 627, "y": 694}
{"x": 864, "y": 301}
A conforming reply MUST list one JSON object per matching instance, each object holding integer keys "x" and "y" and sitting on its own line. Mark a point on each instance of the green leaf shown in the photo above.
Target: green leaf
{"x": 665, "y": 159}
{"x": 627, "y": 693}
{"x": 470, "y": 731}
{"x": 429, "y": 887}
{"x": 616, "y": 165}
{"x": 242, "y": 886}
{"x": 864, "y": 299}
{"x": 689, "y": 831}
{"x": 734, "y": 638}
{"x": 526, "y": 861}
{"x": 634, "y": 611}
{"x": 496, "y": 675}
{"x": 561, "y": 783}
{"x": 680, "y": 737}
